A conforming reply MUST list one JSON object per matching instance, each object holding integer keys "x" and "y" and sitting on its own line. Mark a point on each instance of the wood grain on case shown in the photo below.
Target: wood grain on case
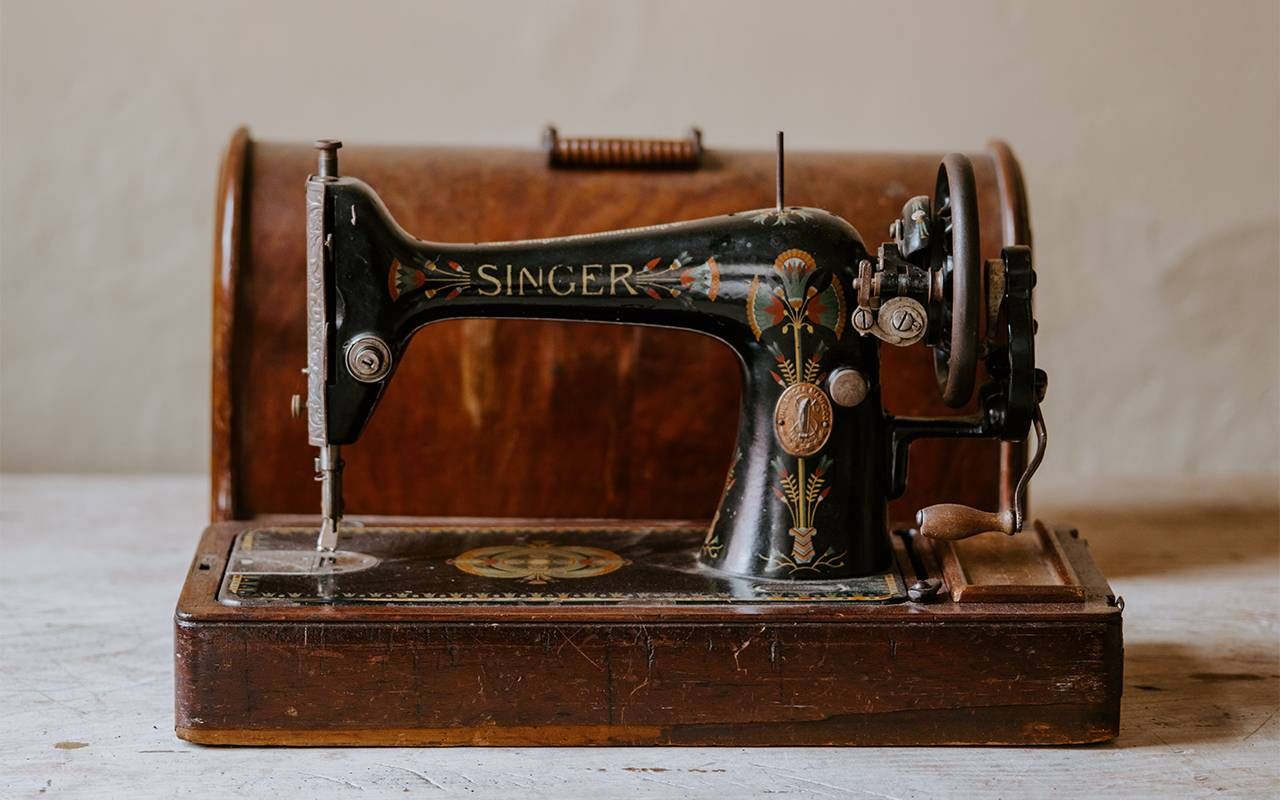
{"x": 531, "y": 418}
{"x": 794, "y": 673}
{"x": 1031, "y": 567}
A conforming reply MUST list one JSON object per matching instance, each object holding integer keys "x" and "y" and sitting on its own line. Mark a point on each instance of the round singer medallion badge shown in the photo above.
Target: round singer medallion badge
{"x": 802, "y": 419}
{"x": 538, "y": 562}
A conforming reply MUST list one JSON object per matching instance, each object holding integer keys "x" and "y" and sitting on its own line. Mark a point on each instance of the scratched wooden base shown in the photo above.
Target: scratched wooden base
{"x": 1015, "y": 663}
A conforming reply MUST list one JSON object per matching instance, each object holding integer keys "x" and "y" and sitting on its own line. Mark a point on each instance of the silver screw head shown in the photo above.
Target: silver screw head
{"x": 367, "y": 362}
{"x": 368, "y": 358}
{"x": 905, "y": 320}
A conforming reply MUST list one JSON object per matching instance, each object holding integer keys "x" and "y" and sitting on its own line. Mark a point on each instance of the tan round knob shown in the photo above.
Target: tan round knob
{"x": 847, "y": 386}
{"x": 295, "y": 406}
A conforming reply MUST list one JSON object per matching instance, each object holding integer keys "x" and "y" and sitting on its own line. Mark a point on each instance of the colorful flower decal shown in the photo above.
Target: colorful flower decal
{"x": 795, "y": 302}
{"x": 453, "y": 280}
{"x": 676, "y": 278}
{"x": 798, "y": 301}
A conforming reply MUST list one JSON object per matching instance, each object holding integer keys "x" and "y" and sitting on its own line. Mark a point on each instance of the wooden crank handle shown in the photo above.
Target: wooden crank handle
{"x": 954, "y": 521}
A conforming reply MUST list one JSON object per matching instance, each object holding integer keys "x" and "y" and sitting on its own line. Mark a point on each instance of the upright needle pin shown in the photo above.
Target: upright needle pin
{"x": 780, "y": 172}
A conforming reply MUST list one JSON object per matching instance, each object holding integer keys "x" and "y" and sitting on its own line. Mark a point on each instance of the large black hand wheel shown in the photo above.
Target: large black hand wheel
{"x": 955, "y": 254}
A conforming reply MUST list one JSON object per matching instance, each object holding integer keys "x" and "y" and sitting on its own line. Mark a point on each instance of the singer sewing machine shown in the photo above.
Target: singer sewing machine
{"x": 799, "y": 614}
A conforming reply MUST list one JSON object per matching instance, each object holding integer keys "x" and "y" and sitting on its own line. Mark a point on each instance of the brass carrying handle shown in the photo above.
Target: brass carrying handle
{"x": 620, "y": 153}
{"x": 954, "y": 521}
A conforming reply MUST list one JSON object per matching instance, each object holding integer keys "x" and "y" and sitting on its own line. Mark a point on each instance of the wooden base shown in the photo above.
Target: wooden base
{"x": 1017, "y": 662}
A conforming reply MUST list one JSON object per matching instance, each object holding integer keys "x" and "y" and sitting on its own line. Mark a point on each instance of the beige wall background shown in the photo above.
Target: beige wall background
{"x": 1148, "y": 132}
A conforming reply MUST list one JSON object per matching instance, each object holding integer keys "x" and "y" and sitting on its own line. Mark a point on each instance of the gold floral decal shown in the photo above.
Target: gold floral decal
{"x": 780, "y": 216}
{"x": 539, "y": 562}
{"x": 797, "y": 303}
{"x": 711, "y": 546}
{"x": 802, "y": 498}
{"x": 829, "y": 560}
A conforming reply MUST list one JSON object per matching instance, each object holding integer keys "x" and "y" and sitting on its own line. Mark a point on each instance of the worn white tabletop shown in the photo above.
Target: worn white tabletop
{"x": 90, "y": 569}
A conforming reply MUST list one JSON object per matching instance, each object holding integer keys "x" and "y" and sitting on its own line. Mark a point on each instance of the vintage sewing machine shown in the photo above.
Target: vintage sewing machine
{"x": 800, "y": 614}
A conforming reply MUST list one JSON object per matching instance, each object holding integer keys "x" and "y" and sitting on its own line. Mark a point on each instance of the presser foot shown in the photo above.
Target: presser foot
{"x": 327, "y": 539}
{"x": 329, "y": 466}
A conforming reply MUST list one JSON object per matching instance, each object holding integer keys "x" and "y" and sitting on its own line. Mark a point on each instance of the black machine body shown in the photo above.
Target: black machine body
{"x": 794, "y": 292}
